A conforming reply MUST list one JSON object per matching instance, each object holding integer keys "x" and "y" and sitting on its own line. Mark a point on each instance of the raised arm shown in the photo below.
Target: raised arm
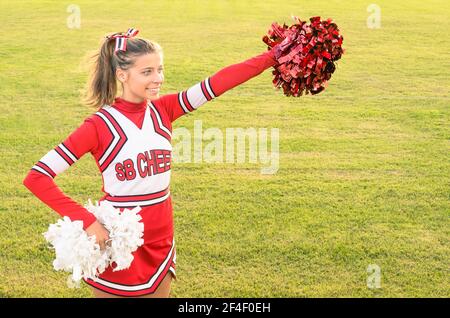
{"x": 40, "y": 178}
{"x": 181, "y": 103}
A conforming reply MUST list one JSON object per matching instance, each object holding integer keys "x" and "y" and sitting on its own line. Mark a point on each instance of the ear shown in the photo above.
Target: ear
{"x": 121, "y": 75}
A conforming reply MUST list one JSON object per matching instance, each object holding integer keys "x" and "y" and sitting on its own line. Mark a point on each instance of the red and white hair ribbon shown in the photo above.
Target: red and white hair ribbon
{"x": 121, "y": 39}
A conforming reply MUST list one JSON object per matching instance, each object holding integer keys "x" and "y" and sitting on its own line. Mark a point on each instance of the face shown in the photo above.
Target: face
{"x": 144, "y": 79}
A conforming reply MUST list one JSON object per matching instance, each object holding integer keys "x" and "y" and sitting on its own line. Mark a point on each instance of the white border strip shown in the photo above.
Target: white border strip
{"x": 113, "y": 143}
{"x": 139, "y": 203}
{"x": 147, "y": 285}
{"x": 159, "y": 120}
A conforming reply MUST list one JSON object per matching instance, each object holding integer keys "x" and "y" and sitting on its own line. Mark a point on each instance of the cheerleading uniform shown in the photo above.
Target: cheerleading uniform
{"x": 131, "y": 145}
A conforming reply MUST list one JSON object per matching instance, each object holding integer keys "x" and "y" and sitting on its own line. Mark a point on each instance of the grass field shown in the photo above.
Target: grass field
{"x": 364, "y": 166}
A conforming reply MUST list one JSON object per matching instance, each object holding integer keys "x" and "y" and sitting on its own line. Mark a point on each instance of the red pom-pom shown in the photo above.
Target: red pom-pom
{"x": 305, "y": 54}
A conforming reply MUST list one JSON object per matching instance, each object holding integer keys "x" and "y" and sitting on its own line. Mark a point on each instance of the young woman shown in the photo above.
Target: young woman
{"x": 130, "y": 139}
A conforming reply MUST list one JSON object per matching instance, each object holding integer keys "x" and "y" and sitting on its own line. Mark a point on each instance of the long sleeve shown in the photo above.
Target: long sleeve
{"x": 181, "y": 103}
{"x": 40, "y": 178}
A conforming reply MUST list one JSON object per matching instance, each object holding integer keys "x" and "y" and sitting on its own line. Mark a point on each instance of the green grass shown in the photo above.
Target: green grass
{"x": 364, "y": 166}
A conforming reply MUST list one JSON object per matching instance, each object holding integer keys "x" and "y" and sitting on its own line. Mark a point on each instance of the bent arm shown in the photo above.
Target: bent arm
{"x": 40, "y": 178}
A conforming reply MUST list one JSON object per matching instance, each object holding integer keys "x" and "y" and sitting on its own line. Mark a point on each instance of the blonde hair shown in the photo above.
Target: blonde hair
{"x": 102, "y": 86}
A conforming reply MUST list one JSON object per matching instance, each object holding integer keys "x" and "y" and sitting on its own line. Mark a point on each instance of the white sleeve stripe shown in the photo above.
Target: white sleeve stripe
{"x": 39, "y": 169}
{"x": 208, "y": 87}
{"x": 180, "y": 100}
{"x": 195, "y": 96}
{"x": 55, "y": 162}
{"x": 68, "y": 152}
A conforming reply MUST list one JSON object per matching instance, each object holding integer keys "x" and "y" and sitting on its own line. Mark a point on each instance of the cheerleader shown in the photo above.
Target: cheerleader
{"x": 129, "y": 137}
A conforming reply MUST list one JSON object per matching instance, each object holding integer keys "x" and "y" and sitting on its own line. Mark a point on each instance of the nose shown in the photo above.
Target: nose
{"x": 158, "y": 79}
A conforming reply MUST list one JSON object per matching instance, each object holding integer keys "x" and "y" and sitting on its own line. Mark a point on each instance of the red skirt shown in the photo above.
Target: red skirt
{"x": 152, "y": 261}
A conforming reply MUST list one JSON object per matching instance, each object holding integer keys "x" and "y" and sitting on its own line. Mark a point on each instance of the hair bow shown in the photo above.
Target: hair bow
{"x": 121, "y": 39}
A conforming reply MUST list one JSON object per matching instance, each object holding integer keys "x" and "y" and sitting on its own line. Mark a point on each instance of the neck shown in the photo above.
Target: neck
{"x": 132, "y": 99}
{"x": 137, "y": 99}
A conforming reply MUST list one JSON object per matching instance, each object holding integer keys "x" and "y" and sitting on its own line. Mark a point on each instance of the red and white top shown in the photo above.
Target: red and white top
{"x": 131, "y": 144}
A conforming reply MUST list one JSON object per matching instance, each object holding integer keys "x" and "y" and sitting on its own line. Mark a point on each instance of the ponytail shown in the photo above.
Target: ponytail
{"x": 102, "y": 87}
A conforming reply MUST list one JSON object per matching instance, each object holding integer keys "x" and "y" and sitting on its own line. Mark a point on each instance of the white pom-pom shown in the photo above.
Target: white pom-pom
{"x": 125, "y": 231}
{"x": 79, "y": 253}
{"x": 75, "y": 251}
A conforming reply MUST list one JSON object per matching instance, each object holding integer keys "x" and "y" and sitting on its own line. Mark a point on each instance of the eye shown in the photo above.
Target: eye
{"x": 147, "y": 72}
